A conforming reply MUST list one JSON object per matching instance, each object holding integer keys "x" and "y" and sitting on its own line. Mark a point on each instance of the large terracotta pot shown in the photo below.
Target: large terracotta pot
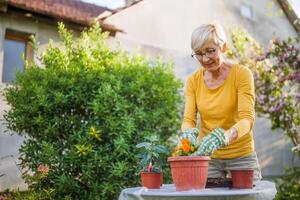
{"x": 152, "y": 180}
{"x": 189, "y": 172}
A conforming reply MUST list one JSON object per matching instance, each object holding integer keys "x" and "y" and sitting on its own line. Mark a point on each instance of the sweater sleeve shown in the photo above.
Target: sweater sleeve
{"x": 246, "y": 100}
{"x": 190, "y": 111}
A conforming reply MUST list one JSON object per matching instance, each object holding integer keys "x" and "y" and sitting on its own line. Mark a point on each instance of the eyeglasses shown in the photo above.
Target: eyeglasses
{"x": 209, "y": 53}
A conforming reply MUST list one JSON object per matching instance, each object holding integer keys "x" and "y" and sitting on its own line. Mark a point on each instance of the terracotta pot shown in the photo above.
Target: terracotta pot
{"x": 152, "y": 180}
{"x": 189, "y": 172}
{"x": 242, "y": 179}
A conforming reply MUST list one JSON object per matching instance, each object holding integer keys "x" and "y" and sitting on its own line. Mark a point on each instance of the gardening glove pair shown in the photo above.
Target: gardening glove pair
{"x": 215, "y": 140}
{"x": 190, "y": 134}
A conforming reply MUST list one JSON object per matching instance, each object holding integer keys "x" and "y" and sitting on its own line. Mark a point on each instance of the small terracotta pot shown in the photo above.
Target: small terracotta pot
{"x": 242, "y": 179}
{"x": 189, "y": 172}
{"x": 152, "y": 180}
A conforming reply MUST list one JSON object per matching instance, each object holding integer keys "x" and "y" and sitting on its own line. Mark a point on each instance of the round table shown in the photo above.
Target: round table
{"x": 263, "y": 190}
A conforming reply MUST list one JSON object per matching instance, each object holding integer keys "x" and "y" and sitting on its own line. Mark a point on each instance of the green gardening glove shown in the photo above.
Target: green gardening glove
{"x": 190, "y": 134}
{"x": 215, "y": 140}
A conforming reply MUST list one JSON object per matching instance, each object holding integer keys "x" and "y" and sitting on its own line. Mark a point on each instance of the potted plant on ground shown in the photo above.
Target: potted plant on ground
{"x": 150, "y": 159}
{"x": 188, "y": 172}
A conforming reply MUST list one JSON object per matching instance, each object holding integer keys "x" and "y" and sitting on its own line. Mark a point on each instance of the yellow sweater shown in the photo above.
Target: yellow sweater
{"x": 229, "y": 105}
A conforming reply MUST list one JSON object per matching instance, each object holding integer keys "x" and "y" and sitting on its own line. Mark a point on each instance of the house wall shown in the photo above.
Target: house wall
{"x": 9, "y": 144}
{"x": 163, "y": 27}
{"x": 169, "y": 23}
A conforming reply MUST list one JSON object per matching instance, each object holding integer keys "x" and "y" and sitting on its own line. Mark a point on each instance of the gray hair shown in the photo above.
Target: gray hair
{"x": 206, "y": 33}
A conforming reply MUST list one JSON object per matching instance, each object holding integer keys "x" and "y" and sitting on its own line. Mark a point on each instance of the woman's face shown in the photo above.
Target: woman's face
{"x": 210, "y": 56}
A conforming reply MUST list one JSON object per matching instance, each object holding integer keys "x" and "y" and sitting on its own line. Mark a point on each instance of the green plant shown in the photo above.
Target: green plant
{"x": 288, "y": 187}
{"x": 184, "y": 148}
{"x": 82, "y": 111}
{"x": 151, "y": 159}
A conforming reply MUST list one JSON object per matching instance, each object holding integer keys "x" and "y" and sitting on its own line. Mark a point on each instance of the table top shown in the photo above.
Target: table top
{"x": 262, "y": 190}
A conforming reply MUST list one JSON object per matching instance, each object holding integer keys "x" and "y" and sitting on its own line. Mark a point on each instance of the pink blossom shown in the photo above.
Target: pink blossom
{"x": 150, "y": 167}
{"x": 43, "y": 169}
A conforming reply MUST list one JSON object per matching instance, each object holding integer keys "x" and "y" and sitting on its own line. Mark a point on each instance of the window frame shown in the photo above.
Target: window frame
{"x": 18, "y": 36}
{"x": 21, "y": 37}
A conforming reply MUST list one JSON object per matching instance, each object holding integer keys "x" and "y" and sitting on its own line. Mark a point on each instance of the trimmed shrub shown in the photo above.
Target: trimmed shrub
{"x": 83, "y": 110}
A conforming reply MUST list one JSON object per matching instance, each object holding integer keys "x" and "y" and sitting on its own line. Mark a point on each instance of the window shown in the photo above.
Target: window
{"x": 246, "y": 11}
{"x": 15, "y": 45}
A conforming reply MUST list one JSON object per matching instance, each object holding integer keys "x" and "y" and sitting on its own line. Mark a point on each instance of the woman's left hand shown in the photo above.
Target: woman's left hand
{"x": 215, "y": 140}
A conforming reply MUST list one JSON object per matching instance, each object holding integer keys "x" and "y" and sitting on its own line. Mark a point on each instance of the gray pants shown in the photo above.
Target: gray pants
{"x": 220, "y": 168}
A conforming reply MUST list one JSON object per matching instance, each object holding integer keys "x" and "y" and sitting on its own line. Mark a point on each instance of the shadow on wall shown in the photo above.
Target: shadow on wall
{"x": 273, "y": 149}
{"x": 10, "y": 173}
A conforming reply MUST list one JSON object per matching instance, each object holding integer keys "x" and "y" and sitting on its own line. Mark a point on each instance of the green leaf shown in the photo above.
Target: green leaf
{"x": 161, "y": 149}
{"x": 143, "y": 144}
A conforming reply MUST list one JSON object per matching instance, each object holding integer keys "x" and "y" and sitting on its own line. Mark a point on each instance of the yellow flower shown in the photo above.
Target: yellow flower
{"x": 83, "y": 149}
{"x": 176, "y": 151}
{"x": 95, "y": 133}
{"x": 192, "y": 149}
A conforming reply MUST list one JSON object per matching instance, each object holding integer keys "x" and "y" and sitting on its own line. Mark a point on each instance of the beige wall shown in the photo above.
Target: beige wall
{"x": 169, "y": 23}
{"x": 163, "y": 27}
{"x": 9, "y": 144}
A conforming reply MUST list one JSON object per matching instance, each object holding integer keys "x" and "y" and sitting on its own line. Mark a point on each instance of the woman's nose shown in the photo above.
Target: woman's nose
{"x": 205, "y": 58}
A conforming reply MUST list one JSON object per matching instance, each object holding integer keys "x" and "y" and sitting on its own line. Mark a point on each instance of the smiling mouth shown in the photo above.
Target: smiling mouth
{"x": 208, "y": 63}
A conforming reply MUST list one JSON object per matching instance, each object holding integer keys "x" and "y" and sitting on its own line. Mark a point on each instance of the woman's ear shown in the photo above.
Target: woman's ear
{"x": 224, "y": 47}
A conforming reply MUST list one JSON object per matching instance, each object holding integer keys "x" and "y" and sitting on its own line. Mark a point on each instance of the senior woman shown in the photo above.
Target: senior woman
{"x": 223, "y": 94}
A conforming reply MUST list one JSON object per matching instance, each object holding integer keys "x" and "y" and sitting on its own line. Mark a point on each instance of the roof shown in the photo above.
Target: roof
{"x": 118, "y": 10}
{"x": 71, "y": 10}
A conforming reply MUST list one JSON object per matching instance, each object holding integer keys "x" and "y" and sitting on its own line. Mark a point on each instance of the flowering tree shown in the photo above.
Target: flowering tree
{"x": 276, "y": 72}
{"x": 277, "y": 80}
{"x": 279, "y": 88}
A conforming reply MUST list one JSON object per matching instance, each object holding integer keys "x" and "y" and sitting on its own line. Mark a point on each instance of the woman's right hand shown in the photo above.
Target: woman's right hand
{"x": 190, "y": 134}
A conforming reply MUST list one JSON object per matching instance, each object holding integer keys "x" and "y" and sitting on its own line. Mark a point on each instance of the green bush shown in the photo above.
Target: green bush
{"x": 83, "y": 110}
{"x": 289, "y": 186}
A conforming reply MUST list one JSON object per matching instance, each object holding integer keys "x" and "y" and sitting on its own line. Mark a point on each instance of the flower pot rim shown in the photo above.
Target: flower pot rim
{"x": 241, "y": 170}
{"x": 185, "y": 158}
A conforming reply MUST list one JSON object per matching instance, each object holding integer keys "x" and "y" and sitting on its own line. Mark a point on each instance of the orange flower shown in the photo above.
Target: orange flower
{"x": 185, "y": 141}
{"x": 186, "y": 147}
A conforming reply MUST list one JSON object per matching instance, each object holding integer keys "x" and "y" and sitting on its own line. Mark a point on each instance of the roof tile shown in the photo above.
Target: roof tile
{"x": 73, "y": 10}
